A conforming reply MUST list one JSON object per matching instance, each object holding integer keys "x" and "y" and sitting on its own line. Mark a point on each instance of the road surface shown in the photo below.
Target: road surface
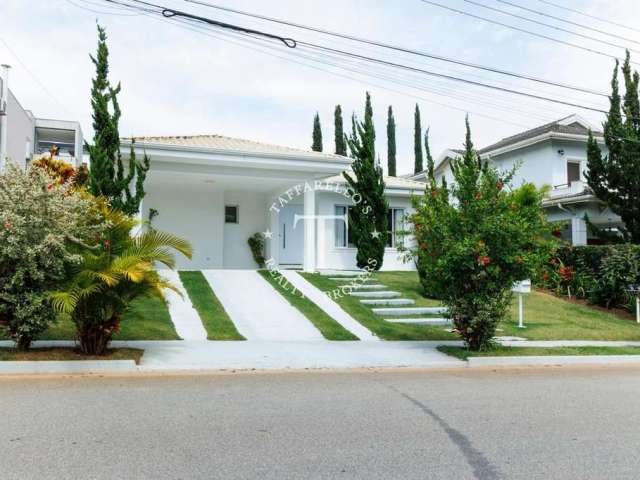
{"x": 530, "y": 424}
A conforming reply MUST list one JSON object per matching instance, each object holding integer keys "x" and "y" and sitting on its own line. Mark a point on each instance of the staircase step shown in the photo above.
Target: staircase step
{"x": 410, "y": 311}
{"x": 341, "y": 273}
{"x": 420, "y": 321}
{"x": 388, "y": 301}
{"x": 385, "y": 294}
{"x": 375, "y": 286}
{"x": 352, "y": 279}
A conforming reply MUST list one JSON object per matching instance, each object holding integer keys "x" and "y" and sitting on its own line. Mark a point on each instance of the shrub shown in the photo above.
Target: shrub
{"x": 474, "y": 242}
{"x": 256, "y": 244}
{"x": 115, "y": 269}
{"x": 38, "y": 217}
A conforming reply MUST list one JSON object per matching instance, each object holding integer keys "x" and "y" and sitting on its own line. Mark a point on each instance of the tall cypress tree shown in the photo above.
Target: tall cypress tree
{"x": 368, "y": 219}
{"x": 317, "y": 134}
{"x": 430, "y": 162}
{"x": 391, "y": 143}
{"x": 417, "y": 142}
{"x": 614, "y": 178}
{"x": 341, "y": 142}
{"x": 107, "y": 176}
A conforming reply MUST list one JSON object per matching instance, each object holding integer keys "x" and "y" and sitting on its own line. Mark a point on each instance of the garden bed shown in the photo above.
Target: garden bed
{"x": 67, "y": 354}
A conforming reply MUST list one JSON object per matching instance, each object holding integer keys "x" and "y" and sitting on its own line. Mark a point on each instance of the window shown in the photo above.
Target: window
{"x": 573, "y": 172}
{"x": 395, "y": 225}
{"x": 343, "y": 232}
{"x": 231, "y": 214}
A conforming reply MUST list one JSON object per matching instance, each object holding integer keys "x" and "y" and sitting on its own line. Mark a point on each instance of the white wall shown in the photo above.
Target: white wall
{"x": 252, "y": 219}
{"x": 338, "y": 258}
{"x": 20, "y": 132}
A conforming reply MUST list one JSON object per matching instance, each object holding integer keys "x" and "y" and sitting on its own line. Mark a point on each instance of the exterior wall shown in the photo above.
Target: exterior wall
{"x": 331, "y": 257}
{"x": 20, "y": 132}
{"x": 252, "y": 218}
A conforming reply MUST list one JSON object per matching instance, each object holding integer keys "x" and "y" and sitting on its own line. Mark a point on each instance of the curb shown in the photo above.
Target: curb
{"x": 67, "y": 367}
{"x": 535, "y": 361}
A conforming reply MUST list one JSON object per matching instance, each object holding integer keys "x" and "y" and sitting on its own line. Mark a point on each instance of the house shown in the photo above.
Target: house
{"x": 22, "y": 135}
{"x": 218, "y": 191}
{"x": 553, "y": 155}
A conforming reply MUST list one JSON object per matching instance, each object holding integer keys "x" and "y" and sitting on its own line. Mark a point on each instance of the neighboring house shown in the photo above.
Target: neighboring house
{"x": 218, "y": 191}
{"x": 553, "y": 155}
{"x": 22, "y": 135}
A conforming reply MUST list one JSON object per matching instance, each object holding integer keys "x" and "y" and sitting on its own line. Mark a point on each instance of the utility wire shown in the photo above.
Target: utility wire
{"x": 100, "y": 12}
{"x": 548, "y": 25}
{"x": 523, "y": 30}
{"x": 600, "y": 19}
{"x": 421, "y": 53}
{"x": 569, "y": 22}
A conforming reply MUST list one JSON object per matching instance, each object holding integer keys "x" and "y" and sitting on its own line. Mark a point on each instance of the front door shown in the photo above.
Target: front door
{"x": 291, "y": 235}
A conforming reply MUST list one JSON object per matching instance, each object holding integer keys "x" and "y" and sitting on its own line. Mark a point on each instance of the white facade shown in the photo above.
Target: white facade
{"x": 218, "y": 192}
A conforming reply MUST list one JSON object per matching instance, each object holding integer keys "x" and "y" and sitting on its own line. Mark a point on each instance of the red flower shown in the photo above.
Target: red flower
{"x": 434, "y": 193}
{"x": 418, "y": 226}
{"x": 500, "y": 185}
{"x": 478, "y": 196}
{"x": 50, "y": 186}
{"x": 107, "y": 244}
{"x": 556, "y": 233}
{"x": 566, "y": 273}
{"x": 545, "y": 276}
{"x": 484, "y": 260}
{"x": 423, "y": 246}
{"x": 7, "y": 225}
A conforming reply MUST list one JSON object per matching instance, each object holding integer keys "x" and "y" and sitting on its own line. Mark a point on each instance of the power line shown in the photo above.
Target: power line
{"x": 548, "y": 25}
{"x": 100, "y": 12}
{"x": 569, "y": 22}
{"x": 562, "y": 7}
{"x": 421, "y": 53}
{"x": 522, "y": 30}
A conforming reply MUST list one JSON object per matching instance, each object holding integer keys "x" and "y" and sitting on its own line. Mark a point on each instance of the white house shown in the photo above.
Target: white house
{"x": 218, "y": 191}
{"x": 554, "y": 155}
{"x": 22, "y": 135}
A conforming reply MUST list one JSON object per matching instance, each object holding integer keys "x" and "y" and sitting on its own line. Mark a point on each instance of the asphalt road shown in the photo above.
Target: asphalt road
{"x": 528, "y": 424}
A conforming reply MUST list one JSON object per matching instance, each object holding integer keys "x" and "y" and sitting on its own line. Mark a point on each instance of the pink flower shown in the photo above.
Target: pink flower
{"x": 7, "y": 225}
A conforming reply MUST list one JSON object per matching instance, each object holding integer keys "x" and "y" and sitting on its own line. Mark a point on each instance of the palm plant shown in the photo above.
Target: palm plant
{"x": 116, "y": 268}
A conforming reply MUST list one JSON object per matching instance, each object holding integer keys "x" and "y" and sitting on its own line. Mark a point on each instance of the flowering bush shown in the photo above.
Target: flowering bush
{"x": 475, "y": 241}
{"x": 38, "y": 216}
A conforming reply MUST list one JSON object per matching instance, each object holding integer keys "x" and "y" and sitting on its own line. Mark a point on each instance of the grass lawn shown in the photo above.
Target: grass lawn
{"x": 403, "y": 282}
{"x": 44, "y": 354}
{"x": 215, "y": 319}
{"x": 330, "y": 329}
{"x": 463, "y": 354}
{"x": 147, "y": 319}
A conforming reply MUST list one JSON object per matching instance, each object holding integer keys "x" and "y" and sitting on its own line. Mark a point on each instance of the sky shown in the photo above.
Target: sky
{"x": 180, "y": 81}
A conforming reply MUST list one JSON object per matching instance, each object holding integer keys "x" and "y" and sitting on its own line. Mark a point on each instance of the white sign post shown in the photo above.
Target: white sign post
{"x": 521, "y": 288}
{"x": 635, "y": 290}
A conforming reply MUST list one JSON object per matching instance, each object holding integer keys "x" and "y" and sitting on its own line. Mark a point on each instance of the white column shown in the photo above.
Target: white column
{"x": 309, "y": 230}
{"x": 578, "y": 231}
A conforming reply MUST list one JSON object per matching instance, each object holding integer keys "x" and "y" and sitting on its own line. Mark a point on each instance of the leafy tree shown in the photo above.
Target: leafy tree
{"x": 417, "y": 142}
{"x": 107, "y": 176}
{"x": 39, "y": 214}
{"x": 430, "y": 163}
{"x": 317, "y": 134}
{"x": 368, "y": 219}
{"x": 614, "y": 177}
{"x": 116, "y": 268}
{"x": 391, "y": 143}
{"x": 341, "y": 143}
{"x": 474, "y": 240}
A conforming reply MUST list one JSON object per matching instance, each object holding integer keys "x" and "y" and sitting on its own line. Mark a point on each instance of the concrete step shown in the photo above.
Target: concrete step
{"x": 341, "y": 273}
{"x": 420, "y": 321}
{"x": 385, "y": 294}
{"x": 375, "y": 286}
{"x": 388, "y": 301}
{"x": 352, "y": 279}
{"x": 410, "y": 311}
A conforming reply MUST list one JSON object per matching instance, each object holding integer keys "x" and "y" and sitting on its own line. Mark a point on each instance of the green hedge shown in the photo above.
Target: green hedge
{"x": 600, "y": 274}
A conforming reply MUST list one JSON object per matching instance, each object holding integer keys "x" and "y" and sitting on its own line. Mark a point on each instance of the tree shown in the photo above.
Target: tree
{"x": 417, "y": 142}
{"x": 317, "y": 134}
{"x": 341, "y": 143}
{"x": 391, "y": 143}
{"x": 474, "y": 240}
{"x": 368, "y": 218}
{"x": 107, "y": 176}
{"x": 430, "y": 163}
{"x": 614, "y": 177}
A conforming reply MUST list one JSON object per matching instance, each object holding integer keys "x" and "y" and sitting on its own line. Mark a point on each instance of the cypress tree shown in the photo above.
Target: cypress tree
{"x": 317, "y": 134}
{"x": 341, "y": 143}
{"x": 614, "y": 177}
{"x": 417, "y": 142}
{"x": 391, "y": 143}
{"x": 430, "y": 163}
{"x": 107, "y": 176}
{"x": 368, "y": 219}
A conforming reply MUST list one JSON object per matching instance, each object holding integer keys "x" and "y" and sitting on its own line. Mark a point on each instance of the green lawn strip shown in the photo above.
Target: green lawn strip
{"x": 364, "y": 314}
{"x": 551, "y": 318}
{"x": 64, "y": 354}
{"x": 330, "y": 329}
{"x": 463, "y": 354}
{"x": 214, "y": 317}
